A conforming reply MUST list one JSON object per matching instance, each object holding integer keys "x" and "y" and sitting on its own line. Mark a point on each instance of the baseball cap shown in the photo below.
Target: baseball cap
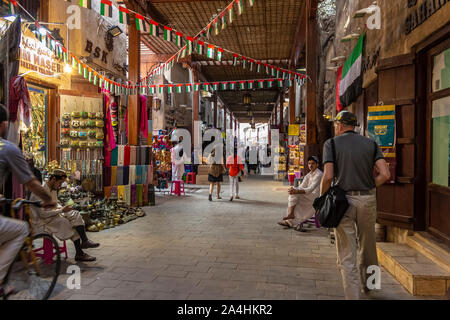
{"x": 346, "y": 117}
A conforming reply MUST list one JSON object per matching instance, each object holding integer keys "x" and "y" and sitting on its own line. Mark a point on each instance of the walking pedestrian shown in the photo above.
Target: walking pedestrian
{"x": 235, "y": 165}
{"x": 356, "y": 158}
{"x": 215, "y": 174}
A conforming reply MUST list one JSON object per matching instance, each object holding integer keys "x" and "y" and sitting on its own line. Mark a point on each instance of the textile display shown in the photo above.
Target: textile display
{"x": 114, "y": 191}
{"x": 140, "y": 190}
{"x": 145, "y": 195}
{"x": 107, "y": 176}
{"x": 114, "y": 156}
{"x": 143, "y": 155}
{"x": 126, "y": 158}
{"x": 150, "y": 174}
{"x": 121, "y": 192}
{"x": 107, "y": 191}
{"x": 128, "y": 195}
{"x": 126, "y": 175}
{"x": 107, "y": 157}
{"x": 121, "y": 156}
{"x": 144, "y": 174}
{"x": 119, "y": 176}
{"x": 134, "y": 195}
{"x": 113, "y": 176}
{"x": 132, "y": 179}
{"x": 110, "y": 139}
{"x": 143, "y": 127}
{"x": 138, "y": 155}
{"x": 133, "y": 155}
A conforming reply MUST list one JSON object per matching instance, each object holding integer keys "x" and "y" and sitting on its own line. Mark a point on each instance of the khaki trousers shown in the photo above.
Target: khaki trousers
{"x": 356, "y": 243}
{"x": 12, "y": 236}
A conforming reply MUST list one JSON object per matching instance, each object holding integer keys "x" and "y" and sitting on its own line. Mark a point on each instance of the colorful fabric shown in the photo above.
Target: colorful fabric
{"x": 150, "y": 174}
{"x": 114, "y": 191}
{"x": 140, "y": 190}
{"x": 128, "y": 195}
{"x": 107, "y": 156}
{"x": 133, "y": 155}
{"x": 143, "y": 127}
{"x": 143, "y": 155}
{"x": 107, "y": 191}
{"x": 145, "y": 195}
{"x": 114, "y": 156}
{"x": 107, "y": 176}
{"x": 113, "y": 176}
{"x": 132, "y": 179}
{"x": 121, "y": 193}
{"x": 126, "y": 175}
{"x": 138, "y": 174}
{"x": 119, "y": 176}
{"x": 138, "y": 155}
{"x": 121, "y": 156}
{"x": 126, "y": 159}
{"x": 144, "y": 174}
{"x": 134, "y": 195}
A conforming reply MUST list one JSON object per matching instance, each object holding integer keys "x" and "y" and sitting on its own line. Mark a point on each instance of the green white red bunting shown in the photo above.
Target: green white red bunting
{"x": 140, "y": 23}
{"x": 154, "y": 28}
{"x": 178, "y": 37}
{"x": 106, "y": 8}
{"x": 242, "y": 85}
{"x": 230, "y": 13}
{"x": 235, "y": 59}
{"x": 85, "y": 4}
{"x": 167, "y": 33}
{"x": 12, "y": 7}
{"x": 219, "y": 54}
{"x": 188, "y": 87}
{"x": 124, "y": 15}
{"x": 210, "y": 52}
{"x": 240, "y": 6}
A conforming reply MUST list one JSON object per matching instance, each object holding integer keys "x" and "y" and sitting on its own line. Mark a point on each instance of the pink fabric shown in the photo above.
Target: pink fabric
{"x": 126, "y": 122}
{"x": 110, "y": 140}
{"x": 18, "y": 92}
{"x": 144, "y": 123}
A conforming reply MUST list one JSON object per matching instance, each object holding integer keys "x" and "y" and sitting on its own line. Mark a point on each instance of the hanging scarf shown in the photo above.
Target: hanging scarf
{"x": 143, "y": 127}
{"x": 110, "y": 140}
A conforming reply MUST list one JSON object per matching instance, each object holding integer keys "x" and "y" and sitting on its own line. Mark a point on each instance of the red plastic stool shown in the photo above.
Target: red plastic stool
{"x": 177, "y": 190}
{"x": 47, "y": 251}
{"x": 190, "y": 178}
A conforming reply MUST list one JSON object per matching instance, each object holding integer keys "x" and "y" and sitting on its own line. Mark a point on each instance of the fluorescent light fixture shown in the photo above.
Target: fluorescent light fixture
{"x": 302, "y": 70}
{"x": 369, "y": 10}
{"x": 353, "y": 36}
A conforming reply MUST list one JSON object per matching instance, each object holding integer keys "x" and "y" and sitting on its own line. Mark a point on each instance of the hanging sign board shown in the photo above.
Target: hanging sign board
{"x": 294, "y": 130}
{"x": 381, "y": 125}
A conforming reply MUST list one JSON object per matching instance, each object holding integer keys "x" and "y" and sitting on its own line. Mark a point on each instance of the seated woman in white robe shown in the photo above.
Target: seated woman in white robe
{"x": 301, "y": 199}
{"x": 62, "y": 222}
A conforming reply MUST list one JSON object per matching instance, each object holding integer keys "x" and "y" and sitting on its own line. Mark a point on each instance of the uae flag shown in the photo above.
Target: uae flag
{"x": 240, "y": 6}
{"x": 223, "y": 19}
{"x": 233, "y": 85}
{"x": 242, "y": 85}
{"x": 267, "y": 68}
{"x": 260, "y": 84}
{"x": 251, "y": 84}
{"x": 95, "y": 78}
{"x": 258, "y": 67}
{"x": 349, "y": 78}
{"x": 216, "y": 27}
{"x": 12, "y": 7}
{"x": 235, "y": 59}
{"x": 124, "y": 16}
{"x": 189, "y": 44}
{"x": 215, "y": 86}
{"x": 179, "y": 88}
{"x": 219, "y": 54}
{"x": 167, "y": 33}
{"x": 188, "y": 87}
{"x": 196, "y": 86}
{"x": 106, "y": 8}
{"x": 140, "y": 23}
{"x": 107, "y": 84}
{"x": 210, "y": 52}
{"x": 208, "y": 31}
{"x": 223, "y": 86}
{"x": 252, "y": 63}
{"x": 154, "y": 28}
{"x": 280, "y": 83}
{"x": 90, "y": 75}
{"x": 274, "y": 71}
{"x": 183, "y": 52}
{"x": 74, "y": 61}
{"x": 153, "y": 89}
{"x": 270, "y": 83}
{"x": 161, "y": 88}
{"x": 230, "y": 13}
{"x": 244, "y": 62}
{"x": 85, "y": 4}
{"x": 178, "y": 37}
{"x": 200, "y": 47}
{"x": 251, "y": 3}
{"x": 206, "y": 86}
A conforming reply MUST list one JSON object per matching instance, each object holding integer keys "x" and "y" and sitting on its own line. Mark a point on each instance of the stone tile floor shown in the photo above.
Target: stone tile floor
{"x": 190, "y": 248}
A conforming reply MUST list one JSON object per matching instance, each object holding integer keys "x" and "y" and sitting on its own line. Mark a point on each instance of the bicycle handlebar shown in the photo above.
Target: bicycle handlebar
{"x": 20, "y": 203}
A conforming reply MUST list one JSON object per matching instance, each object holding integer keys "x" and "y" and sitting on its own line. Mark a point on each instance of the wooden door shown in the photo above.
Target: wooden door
{"x": 396, "y": 85}
{"x": 438, "y": 141}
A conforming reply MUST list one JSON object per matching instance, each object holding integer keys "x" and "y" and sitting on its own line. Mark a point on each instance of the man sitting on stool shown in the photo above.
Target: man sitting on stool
{"x": 62, "y": 222}
{"x": 301, "y": 199}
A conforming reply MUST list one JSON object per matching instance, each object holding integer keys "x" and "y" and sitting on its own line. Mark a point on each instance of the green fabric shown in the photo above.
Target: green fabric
{"x": 353, "y": 56}
{"x": 114, "y": 156}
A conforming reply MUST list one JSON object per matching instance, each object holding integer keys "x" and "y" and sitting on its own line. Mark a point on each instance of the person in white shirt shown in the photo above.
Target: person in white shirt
{"x": 178, "y": 158}
{"x": 300, "y": 201}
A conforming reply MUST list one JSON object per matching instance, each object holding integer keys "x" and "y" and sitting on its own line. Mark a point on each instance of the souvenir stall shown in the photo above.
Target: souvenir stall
{"x": 163, "y": 164}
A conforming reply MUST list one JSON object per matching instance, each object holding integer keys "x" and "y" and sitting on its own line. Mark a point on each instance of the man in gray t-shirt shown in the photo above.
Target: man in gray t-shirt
{"x": 12, "y": 231}
{"x": 356, "y": 159}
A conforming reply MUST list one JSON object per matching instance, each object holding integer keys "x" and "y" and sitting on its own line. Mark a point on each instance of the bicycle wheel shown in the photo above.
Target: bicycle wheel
{"x": 34, "y": 281}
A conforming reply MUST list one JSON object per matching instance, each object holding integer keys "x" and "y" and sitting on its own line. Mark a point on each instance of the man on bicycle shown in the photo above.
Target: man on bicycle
{"x": 13, "y": 232}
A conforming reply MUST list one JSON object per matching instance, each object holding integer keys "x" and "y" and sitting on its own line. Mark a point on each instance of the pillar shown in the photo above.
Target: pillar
{"x": 134, "y": 39}
{"x": 311, "y": 69}
{"x": 292, "y": 104}
{"x": 215, "y": 109}
{"x": 282, "y": 113}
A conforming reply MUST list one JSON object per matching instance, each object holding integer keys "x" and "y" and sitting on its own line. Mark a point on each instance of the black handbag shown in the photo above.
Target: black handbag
{"x": 332, "y": 205}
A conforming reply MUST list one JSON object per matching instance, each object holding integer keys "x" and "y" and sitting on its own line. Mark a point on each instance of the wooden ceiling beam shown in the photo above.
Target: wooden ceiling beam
{"x": 300, "y": 37}
{"x": 155, "y": 58}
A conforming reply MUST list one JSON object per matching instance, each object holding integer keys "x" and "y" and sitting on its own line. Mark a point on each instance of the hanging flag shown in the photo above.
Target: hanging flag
{"x": 161, "y": 88}
{"x": 270, "y": 83}
{"x": 349, "y": 78}
{"x": 183, "y": 52}
{"x": 206, "y": 86}
{"x": 124, "y": 15}
{"x": 12, "y": 7}
{"x": 223, "y": 19}
{"x": 200, "y": 47}
{"x": 267, "y": 68}
{"x": 278, "y": 72}
{"x": 215, "y": 86}
{"x": 251, "y": 3}
{"x": 196, "y": 86}
{"x": 240, "y": 6}
{"x": 210, "y": 52}
{"x": 167, "y": 33}
{"x": 90, "y": 75}
{"x": 80, "y": 67}
{"x": 179, "y": 88}
{"x": 233, "y": 85}
{"x": 216, "y": 26}
{"x": 178, "y": 38}
{"x": 188, "y": 87}
{"x": 260, "y": 84}
{"x": 258, "y": 67}
{"x": 107, "y": 84}
{"x": 280, "y": 83}
{"x": 85, "y": 4}
{"x": 208, "y": 31}
{"x": 244, "y": 62}
{"x": 250, "y": 84}
{"x": 219, "y": 54}
{"x": 230, "y": 13}
{"x": 223, "y": 85}
{"x": 95, "y": 78}
{"x": 100, "y": 82}
{"x": 106, "y": 8}
{"x": 252, "y": 63}
{"x": 154, "y": 28}
{"x": 153, "y": 89}
{"x": 140, "y": 23}
{"x": 273, "y": 71}
{"x": 74, "y": 61}
{"x": 242, "y": 85}
{"x": 235, "y": 59}
{"x": 189, "y": 43}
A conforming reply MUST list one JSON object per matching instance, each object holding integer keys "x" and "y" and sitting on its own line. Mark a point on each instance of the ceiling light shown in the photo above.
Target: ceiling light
{"x": 353, "y": 36}
{"x": 301, "y": 70}
{"x": 247, "y": 98}
{"x": 67, "y": 68}
{"x": 114, "y": 31}
{"x": 361, "y": 13}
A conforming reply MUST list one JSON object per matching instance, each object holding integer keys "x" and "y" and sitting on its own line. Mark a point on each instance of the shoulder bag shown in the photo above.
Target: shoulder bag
{"x": 332, "y": 205}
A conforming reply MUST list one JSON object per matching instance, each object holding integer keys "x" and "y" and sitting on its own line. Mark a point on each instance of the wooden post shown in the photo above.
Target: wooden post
{"x": 311, "y": 69}
{"x": 134, "y": 39}
{"x": 215, "y": 110}
{"x": 292, "y": 104}
{"x": 282, "y": 113}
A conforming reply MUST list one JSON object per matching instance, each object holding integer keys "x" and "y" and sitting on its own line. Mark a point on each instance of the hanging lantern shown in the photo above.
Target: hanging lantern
{"x": 247, "y": 98}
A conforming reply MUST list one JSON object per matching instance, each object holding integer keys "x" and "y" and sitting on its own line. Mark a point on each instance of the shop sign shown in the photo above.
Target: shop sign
{"x": 294, "y": 130}
{"x": 35, "y": 56}
{"x": 421, "y": 12}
